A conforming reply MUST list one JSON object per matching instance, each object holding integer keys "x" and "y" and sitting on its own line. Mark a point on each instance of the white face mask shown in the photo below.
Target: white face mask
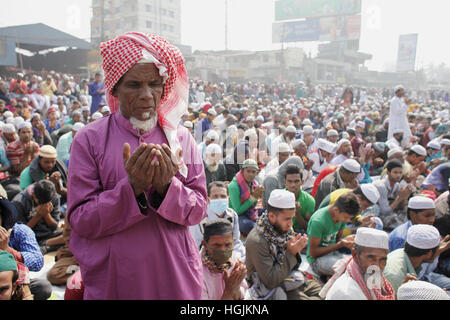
{"x": 218, "y": 206}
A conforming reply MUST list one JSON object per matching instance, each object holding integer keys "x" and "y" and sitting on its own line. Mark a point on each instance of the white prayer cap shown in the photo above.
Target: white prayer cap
{"x": 97, "y": 115}
{"x": 212, "y": 112}
{"x": 394, "y": 151}
{"x": 421, "y": 290}
{"x": 435, "y": 122}
{"x": 307, "y": 122}
{"x": 434, "y": 145}
{"x": 445, "y": 142}
{"x": 25, "y": 99}
{"x": 332, "y": 133}
{"x": 85, "y": 108}
{"x": 326, "y": 145}
{"x": 291, "y": 129}
{"x": 48, "y": 152}
{"x": 18, "y": 121}
{"x": 423, "y": 236}
{"x": 352, "y": 165}
{"x": 421, "y": 203}
{"x": 341, "y": 142}
{"x": 212, "y": 135}
{"x": 361, "y": 124}
{"x": 307, "y": 129}
{"x": 24, "y": 124}
{"x": 385, "y": 121}
{"x": 297, "y": 142}
{"x": 284, "y": 147}
{"x": 250, "y": 118}
{"x": 398, "y": 88}
{"x": 188, "y": 124}
{"x": 259, "y": 118}
{"x": 8, "y": 114}
{"x": 9, "y": 128}
{"x": 370, "y": 192}
{"x": 372, "y": 238}
{"x": 419, "y": 150}
{"x": 77, "y": 126}
{"x": 106, "y": 109}
{"x": 282, "y": 199}
{"x": 398, "y": 130}
{"x": 213, "y": 148}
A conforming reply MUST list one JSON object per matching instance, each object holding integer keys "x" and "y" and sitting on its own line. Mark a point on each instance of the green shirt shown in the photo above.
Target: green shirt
{"x": 25, "y": 178}
{"x": 308, "y": 204}
{"x": 322, "y": 226}
{"x": 63, "y": 147}
{"x": 397, "y": 266}
{"x": 235, "y": 198}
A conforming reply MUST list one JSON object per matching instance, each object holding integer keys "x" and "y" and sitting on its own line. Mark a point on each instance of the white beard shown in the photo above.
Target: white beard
{"x": 212, "y": 168}
{"x": 146, "y": 125}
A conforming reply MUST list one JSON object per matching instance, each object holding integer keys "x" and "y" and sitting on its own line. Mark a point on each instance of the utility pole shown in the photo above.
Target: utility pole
{"x": 226, "y": 25}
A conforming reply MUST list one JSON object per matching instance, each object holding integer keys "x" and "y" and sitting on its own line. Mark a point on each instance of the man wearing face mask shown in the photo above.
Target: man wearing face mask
{"x": 223, "y": 271}
{"x": 218, "y": 209}
{"x": 273, "y": 253}
{"x": 360, "y": 276}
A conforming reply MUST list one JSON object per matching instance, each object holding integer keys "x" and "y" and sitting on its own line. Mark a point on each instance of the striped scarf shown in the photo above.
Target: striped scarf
{"x": 245, "y": 194}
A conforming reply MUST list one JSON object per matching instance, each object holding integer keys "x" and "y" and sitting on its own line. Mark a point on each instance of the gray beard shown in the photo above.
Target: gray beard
{"x": 146, "y": 125}
{"x": 212, "y": 168}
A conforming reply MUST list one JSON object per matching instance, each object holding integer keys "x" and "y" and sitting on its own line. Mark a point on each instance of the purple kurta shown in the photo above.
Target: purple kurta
{"x": 124, "y": 254}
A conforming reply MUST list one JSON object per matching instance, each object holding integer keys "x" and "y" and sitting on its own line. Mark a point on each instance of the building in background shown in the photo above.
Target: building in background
{"x": 114, "y": 17}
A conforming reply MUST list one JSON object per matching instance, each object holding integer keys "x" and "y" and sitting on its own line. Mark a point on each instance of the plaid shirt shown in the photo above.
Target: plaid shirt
{"x": 15, "y": 151}
{"x": 24, "y": 241}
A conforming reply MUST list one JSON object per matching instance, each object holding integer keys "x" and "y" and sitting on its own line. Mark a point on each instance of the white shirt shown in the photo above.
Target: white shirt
{"x": 345, "y": 288}
{"x": 398, "y": 119}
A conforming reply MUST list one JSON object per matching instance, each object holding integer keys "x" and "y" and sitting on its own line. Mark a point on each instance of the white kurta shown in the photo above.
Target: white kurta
{"x": 345, "y": 288}
{"x": 398, "y": 119}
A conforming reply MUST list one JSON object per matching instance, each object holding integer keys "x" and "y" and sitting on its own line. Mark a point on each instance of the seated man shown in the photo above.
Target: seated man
{"x": 273, "y": 253}
{"x": 369, "y": 256}
{"x": 14, "y": 279}
{"x": 325, "y": 229}
{"x": 421, "y": 210}
{"x": 19, "y": 240}
{"x": 218, "y": 209}
{"x": 244, "y": 194}
{"x": 38, "y": 207}
{"x": 344, "y": 177}
{"x": 21, "y": 152}
{"x": 323, "y": 156}
{"x": 223, "y": 272}
{"x": 215, "y": 170}
{"x": 304, "y": 204}
{"x": 393, "y": 195}
{"x": 64, "y": 143}
{"x": 404, "y": 264}
{"x": 421, "y": 290}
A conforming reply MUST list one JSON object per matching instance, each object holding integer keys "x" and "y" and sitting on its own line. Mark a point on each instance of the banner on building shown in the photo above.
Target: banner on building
{"x": 303, "y": 30}
{"x": 300, "y": 9}
{"x": 407, "y": 47}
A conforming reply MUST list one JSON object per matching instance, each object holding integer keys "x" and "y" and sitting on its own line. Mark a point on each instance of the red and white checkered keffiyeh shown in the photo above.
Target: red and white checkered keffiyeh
{"x": 122, "y": 53}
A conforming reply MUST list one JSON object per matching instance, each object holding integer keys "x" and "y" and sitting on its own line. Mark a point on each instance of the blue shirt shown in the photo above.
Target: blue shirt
{"x": 397, "y": 237}
{"x": 3, "y": 159}
{"x": 50, "y": 130}
{"x": 206, "y": 125}
{"x": 23, "y": 239}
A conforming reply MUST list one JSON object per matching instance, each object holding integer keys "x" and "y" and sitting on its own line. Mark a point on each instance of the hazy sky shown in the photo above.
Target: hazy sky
{"x": 250, "y": 25}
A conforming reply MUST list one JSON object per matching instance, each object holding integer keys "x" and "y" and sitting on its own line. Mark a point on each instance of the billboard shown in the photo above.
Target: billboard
{"x": 300, "y": 9}
{"x": 407, "y": 47}
{"x": 337, "y": 28}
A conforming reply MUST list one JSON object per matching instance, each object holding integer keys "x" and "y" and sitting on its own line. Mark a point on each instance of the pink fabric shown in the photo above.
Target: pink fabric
{"x": 122, "y": 53}
{"x": 75, "y": 287}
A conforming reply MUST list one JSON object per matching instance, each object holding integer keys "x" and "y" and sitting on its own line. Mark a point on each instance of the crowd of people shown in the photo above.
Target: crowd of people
{"x": 153, "y": 186}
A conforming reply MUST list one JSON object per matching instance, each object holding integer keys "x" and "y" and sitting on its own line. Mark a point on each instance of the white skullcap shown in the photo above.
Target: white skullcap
{"x": 398, "y": 130}
{"x": 188, "y": 124}
{"x": 48, "y": 152}
{"x": 297, "y": 142}
{"x": 8, "y": 114}
{"x": 284, "y": 147}
{"x": 213, "y": 148}
{"x": 341, "y": 142}
{"x": 97, "y": 115}
{"x": 250, "y": 118}
{"x": 352, "y": 165}
{"x": 291, "y": 129}
{"x": 85, "y": 108}
{"x": 370, "y": 192}
{"x": 394, "y": 151}
{"x": 212, "y": 135}
{"x": 332, "y": 132}
{"x": 307, "y": 122}
{"x": 361, "y": 124}
{"x": 77, "y": 126}
{"x": 385, "y": 121}
{"x": 307, "y": 130}
{"x": 434, "y": 145}
{"x": 326, "y": 145}
{"x": 421, "y": 202}
{"x": 18, "y": 120}
{"x": 212, "y": 112}
{"x": 9, "y": 128}
{"x": 259, "y": 118}
{"x": 423, "y": 236}
{"x": 445, "y": 142}
{"x": 421, "y": 290}
{"x": 24, "y": 124}
{"x": 25, "y": 99}
{"x": 435, "y": 123}
{"x": 398, "y": 88}
{"x": 372, "y": 238}
{"x": 282, "y": 199}
{"x": 106, "y": 109}
{"x": 419, "y": 150}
